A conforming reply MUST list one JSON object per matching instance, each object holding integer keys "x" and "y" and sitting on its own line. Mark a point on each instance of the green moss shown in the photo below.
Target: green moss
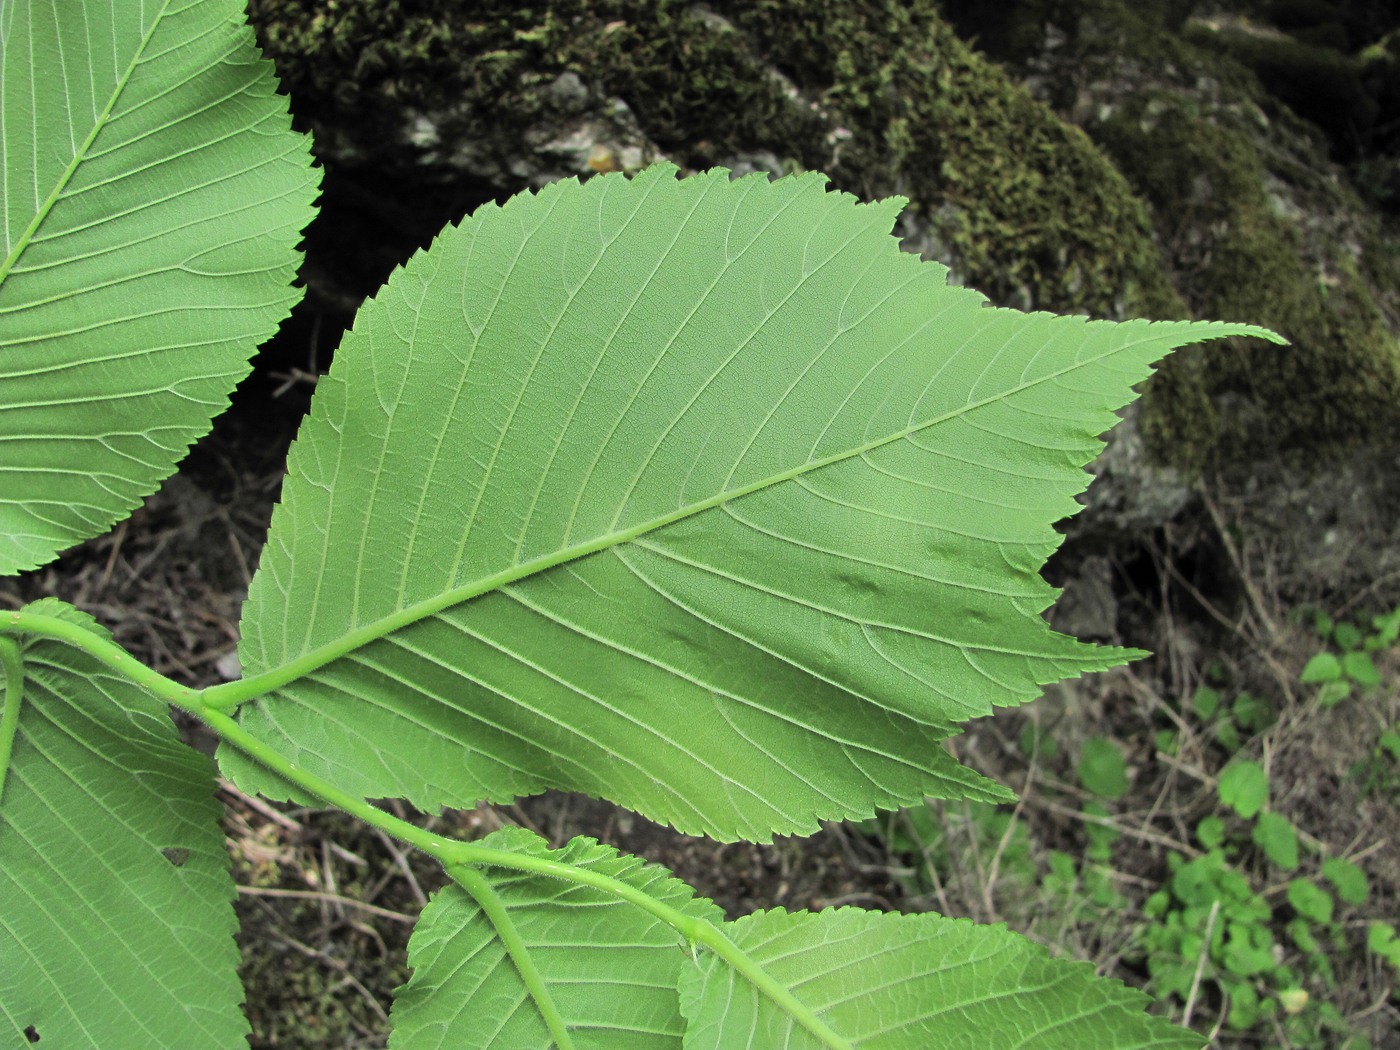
{"x": 888, "y": 100}
{"x": 1238, "y": 258}
{"x": 1028, "y": 208}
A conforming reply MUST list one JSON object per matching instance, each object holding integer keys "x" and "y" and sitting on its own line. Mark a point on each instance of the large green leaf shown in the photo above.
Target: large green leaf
{"x": 694, "y": 494}
{"x": 913, "y": 980}
{"x": 116, "y": 915}
{"x": 608, "y": 970}
{"x": 153, "y": 197}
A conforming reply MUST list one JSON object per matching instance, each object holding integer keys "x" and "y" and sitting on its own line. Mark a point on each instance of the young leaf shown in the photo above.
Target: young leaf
{"x": 884, "y": 980}
{"x": 1102, "y": 769}
{"x": 1244, "y": 787}
{"x": 1322, "y": 667}
{"x": 1309, "y": 901}
{"x": 1278, "y": 839}
{"x": 116, "y": 921}
{"x": 153, "y": 196}
{"x": 607, "y": 969}
{"x": 696, "y": 495}
{"x": 1350, "y": 881}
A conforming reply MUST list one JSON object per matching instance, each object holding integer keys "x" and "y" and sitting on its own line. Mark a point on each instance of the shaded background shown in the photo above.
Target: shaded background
{"x": 1159, "y": 158}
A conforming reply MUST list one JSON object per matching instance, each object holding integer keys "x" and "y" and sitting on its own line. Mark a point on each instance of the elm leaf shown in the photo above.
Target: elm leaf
{"x": 608, "y": 970}
{"x": 153, "y": 195}
{"x": 116, "y": 913}
{"x": 886, "y": 980}
{"x": 698, "y": 495}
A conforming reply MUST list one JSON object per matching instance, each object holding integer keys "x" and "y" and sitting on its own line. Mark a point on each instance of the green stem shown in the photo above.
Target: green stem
{"x": 454, "y": 854}
{"x": 104, "y": 650}
{"x": 475, "y": 884}
{"x": 13, "y": 667}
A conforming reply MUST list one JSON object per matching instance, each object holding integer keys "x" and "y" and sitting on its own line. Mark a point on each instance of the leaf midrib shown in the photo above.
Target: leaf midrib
{"x": 233, "y": 693}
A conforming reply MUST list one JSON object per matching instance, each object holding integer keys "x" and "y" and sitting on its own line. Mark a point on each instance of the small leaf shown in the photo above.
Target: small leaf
{"x": 885, "y": 981}
{"x": 1309, "y": 901}
{"x": 1252, "y": 713}
{"x": 1381, "y": 940}
{"x": 1360, "y": 669}
{"x": 1347, "y": 635}
{"x": 1349, "y": 880}
{"x": 1278, "y": 839}
{"x": 1244, "y": 1005}
{"x": 1102, "y": 769}
{"x": 1210, "y": 832}
{"x": 1248, "y": 950}
{"x": 1205, "y": 702}
{"x": 1301, "y": 931}
{"x": 1333, "y": 693}
{"x": 1323, "y": 667}
{"x": 1244, "y": 787}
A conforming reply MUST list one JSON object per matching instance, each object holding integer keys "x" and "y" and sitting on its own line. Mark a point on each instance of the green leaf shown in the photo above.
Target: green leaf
{"x": 1333, "y": 693}
{"x": 1360, "y": 669}
{"x": 1323, "y": 667}
{"x": 1205, "y": 702}
{"x": 1389, "y": 741}
{"x": 1102, "y": 769}
{"x": 1252, "y": 713}
{"x": 1309, "y": 901}
{"x": 116, "y": 921}
{"x": 1277, "y": 838}
{"x": 1347, "y": 635}
{"x": 1244, "y": 787}
{"x": 697, "y": 495}
{"x": 884, "y": 980}
{"x": 153, "y": 198}
{"x": 1350, "y": 881}
{"x": 1210, "y": 832}
{"x": 1381, "y": 939}
{"x": 608, "y": 969}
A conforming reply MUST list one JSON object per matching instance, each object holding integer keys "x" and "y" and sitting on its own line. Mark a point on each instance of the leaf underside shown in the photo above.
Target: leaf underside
{"x": 116, "y": 915}
{"x": 886, "y": 981}
{"x": 697, "y": 495}
{"x": 153, "y": 196}
{"x": 614, "y": 977}
{"x": 610, "y": 969}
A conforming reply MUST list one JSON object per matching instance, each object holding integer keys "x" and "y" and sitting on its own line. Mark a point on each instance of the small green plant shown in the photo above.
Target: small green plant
{"x": 1220, "y": 922}
{"x": 1337, "y": 674}
{"x": 697, "y": 495}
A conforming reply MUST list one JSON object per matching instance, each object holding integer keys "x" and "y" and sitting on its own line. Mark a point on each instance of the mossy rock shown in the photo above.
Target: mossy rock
{"x": 886, "y": 99}
{"x": 1252, "y": 232}
{"x": 882, "y": 96}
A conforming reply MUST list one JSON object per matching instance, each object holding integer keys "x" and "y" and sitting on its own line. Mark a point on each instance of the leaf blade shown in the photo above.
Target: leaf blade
{"x": 886, "y": 980}
{"x": 153, "y": 193}
{"x": 605, "y": 508}
{"x": 116, "y": 915}
{"x": 609, "y": 969}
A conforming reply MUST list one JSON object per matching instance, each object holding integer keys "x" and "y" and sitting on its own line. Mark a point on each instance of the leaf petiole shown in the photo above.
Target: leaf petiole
{"x": 13, "y": 668}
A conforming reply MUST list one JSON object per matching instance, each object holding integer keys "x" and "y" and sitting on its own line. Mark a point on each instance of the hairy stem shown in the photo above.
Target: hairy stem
{"x": 13, "y": 668}
{"x": 455, "y": 855}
